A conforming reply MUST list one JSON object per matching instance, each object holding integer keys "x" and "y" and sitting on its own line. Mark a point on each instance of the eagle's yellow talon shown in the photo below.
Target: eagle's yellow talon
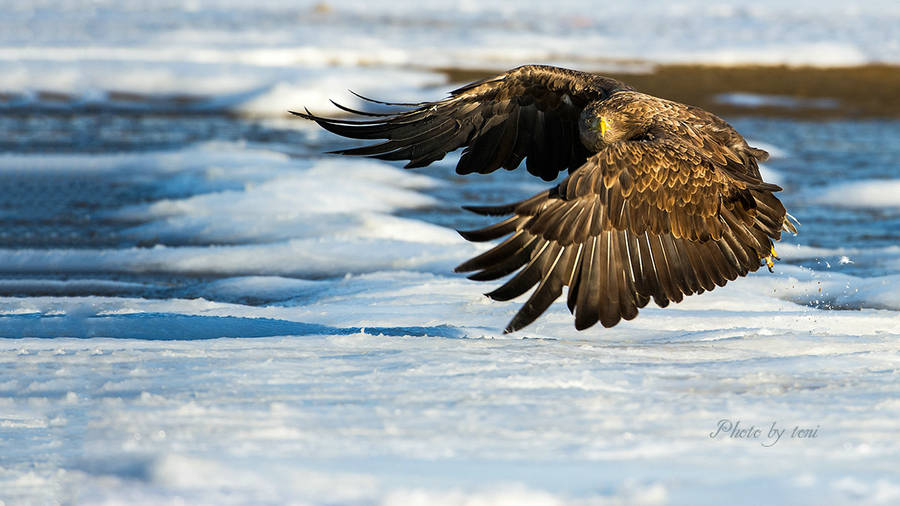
{"x": 774, "y": 254}
{"x": 769, "y": 263}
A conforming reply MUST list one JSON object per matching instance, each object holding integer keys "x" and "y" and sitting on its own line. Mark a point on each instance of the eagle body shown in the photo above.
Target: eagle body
{"x": 661, "y": 200}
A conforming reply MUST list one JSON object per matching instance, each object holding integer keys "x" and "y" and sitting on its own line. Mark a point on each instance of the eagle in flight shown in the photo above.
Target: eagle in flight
{"x": 661, "y": 200}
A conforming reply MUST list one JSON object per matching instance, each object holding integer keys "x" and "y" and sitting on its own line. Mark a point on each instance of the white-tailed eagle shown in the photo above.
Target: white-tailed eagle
{"x": 662, "y": 199}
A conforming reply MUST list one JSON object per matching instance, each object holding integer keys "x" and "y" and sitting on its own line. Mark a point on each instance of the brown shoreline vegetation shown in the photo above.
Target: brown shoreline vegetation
{"x": 870, "y": 91}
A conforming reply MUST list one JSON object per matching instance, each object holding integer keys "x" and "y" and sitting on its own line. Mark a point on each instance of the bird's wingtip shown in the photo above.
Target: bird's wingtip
{"x": 304, "y": 115}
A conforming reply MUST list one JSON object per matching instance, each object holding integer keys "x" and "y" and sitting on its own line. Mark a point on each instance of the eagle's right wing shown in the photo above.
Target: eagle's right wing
{"x": 529, "y": 113}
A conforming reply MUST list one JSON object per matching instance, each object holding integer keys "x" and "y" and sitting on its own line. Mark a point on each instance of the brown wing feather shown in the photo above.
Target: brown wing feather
{"x": 660, "y": 219}
{"x": 529, "y": 113}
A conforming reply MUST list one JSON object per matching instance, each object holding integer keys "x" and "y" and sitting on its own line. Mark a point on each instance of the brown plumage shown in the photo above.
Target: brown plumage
{"x": 662, "y": 199}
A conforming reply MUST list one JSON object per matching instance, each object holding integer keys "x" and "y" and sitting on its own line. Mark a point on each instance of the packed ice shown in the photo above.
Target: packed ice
{"x": 256, "y": 59}
{"x": 197, "y": 306}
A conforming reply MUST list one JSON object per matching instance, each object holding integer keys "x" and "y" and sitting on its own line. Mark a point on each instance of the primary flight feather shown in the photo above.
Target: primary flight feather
{"x": 662, "y": 199}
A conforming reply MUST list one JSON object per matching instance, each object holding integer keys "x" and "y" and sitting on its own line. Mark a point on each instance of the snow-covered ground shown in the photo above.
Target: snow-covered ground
{"x": 364, "y": 372}
{"x": 375, "y": 418}
{"x": 258, "y": 57}
{"x": 199, "y": 307}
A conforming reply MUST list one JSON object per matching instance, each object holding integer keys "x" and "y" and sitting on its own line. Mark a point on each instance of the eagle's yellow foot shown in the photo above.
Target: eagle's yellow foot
{"x": 770, "y": 258}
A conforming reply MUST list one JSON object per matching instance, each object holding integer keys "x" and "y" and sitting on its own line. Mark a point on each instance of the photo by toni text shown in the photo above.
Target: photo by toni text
{"x": 768, "y": 435}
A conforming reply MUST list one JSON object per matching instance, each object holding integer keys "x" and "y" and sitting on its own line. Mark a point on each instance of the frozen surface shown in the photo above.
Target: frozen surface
{"x": 249, "y": 324}
{"x": 198, "y": 307}
{"x": 870, "y": 194}
{"x": 366, "y": 418}
{"x": 265, "y": 57}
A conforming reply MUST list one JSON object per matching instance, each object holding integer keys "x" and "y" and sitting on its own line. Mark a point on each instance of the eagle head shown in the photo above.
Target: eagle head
{"x": 603, "y": 123}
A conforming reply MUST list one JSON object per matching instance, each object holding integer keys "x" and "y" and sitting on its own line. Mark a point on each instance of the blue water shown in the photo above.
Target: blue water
{"x": 71, "y": 209}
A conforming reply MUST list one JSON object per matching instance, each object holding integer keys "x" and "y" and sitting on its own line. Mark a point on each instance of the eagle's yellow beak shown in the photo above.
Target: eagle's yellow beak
{"x": 601, "y": 125}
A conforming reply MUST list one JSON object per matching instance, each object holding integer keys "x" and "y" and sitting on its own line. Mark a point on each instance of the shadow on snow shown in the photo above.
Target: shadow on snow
{"x": 171, "y": 327}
